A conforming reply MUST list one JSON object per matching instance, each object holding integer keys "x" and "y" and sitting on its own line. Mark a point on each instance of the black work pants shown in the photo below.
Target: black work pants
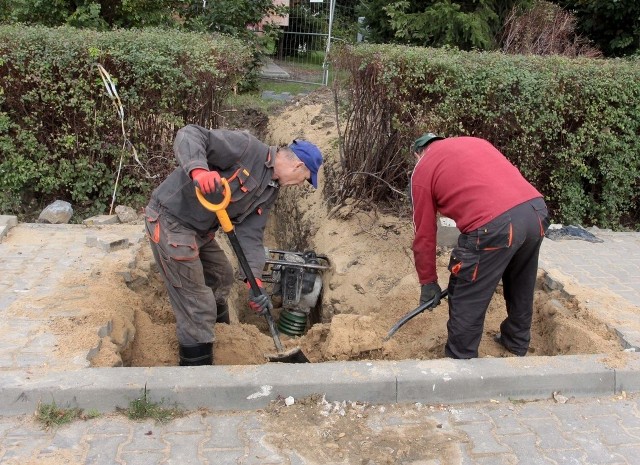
{"x": 506, "y": 248}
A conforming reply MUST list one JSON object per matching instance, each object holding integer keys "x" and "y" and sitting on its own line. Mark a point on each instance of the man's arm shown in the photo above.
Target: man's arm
{"x": 250, "y": 234}
{"x": 190, "y": 148}
{"x": 424, "y": 242}
{"x": 218, "y": 149}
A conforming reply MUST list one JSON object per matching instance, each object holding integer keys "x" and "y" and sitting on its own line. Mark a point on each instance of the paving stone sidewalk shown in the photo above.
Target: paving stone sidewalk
{"x": 610, "y": 268}
{"x": 36, "y": 258}
{"x": 580, "y": 431}
{"x": 591, "y": 430}
{"x": 613, "y": 264}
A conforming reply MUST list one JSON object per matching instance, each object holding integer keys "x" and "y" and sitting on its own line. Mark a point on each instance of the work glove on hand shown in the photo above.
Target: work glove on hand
{"x": 430, "y": 291}
{"x": 206, "y": 181}
{"x": 259, "y": 303}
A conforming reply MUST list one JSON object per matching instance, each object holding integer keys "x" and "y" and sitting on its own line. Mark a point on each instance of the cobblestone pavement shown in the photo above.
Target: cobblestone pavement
{"x": 580, "y": 431}
{"x": 34, "y": 264}
{"x": 603, "y": 430}
{"x": 613, "y": 264}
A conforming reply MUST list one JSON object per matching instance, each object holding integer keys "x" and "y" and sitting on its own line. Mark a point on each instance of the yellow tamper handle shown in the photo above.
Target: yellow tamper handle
{"x": 219, "y": 208}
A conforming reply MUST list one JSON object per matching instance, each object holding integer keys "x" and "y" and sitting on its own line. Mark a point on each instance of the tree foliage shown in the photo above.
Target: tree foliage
{"x": 226, "y": 16}
{"x": 95, "y": 14}
{"x": 613, "y": 25}
{"x": 466, "y": 24}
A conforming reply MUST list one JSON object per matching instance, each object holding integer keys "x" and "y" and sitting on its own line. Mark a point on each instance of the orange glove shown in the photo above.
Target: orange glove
{"x": 206, "y": 181}
{"x": 260, "y": 303}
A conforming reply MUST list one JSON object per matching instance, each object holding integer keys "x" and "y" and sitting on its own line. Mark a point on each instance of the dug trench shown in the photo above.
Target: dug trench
{"x": 364, "y": 293}
{"x": 369, "y": 285}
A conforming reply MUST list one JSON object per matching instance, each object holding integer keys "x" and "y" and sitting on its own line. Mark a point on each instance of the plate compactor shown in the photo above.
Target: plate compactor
{"x": 297, "y": 278}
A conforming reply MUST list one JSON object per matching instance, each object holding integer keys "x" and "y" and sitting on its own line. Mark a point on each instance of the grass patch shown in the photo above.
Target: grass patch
{"x": 254, "y": 99}
{"x": 90, "y": 415}
{"x": 142, "y": 408}
{"x": 250, "y": 100}
{"x": 236, "y": 102}
{"x": 51, "y": 415}
{"x": 293, "y": 88}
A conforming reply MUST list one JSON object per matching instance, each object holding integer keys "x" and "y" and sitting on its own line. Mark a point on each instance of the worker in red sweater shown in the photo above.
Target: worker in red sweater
{"x": 502, "y": 219}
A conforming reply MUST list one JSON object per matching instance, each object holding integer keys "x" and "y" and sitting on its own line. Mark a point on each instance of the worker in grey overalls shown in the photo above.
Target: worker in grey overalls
{"x": 195, "y": 270}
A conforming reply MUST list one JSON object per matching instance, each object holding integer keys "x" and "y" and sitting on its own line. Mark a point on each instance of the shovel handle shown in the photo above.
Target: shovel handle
{"x": 227, "y": 226}
{"x": 418, "y": 310}
{"x": 246, "y": 269}
{"x": 219, "y": 208}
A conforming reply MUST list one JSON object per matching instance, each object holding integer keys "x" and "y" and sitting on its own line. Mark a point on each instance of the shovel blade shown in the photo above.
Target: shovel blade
{"x": 294, "y": 355}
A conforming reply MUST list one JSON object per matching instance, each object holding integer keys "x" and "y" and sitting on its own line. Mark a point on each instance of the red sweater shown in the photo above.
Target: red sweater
{"x": 466, "y": 179}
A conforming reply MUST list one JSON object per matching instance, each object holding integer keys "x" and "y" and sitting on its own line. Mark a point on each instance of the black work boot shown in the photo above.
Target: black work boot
{"x": 500, "y": 340}
{"x": 223, "y": 314}
{"x": 197, "y": 354}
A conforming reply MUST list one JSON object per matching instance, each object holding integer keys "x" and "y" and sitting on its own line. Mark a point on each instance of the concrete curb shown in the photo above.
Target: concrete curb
{"x": 253, "y": 387}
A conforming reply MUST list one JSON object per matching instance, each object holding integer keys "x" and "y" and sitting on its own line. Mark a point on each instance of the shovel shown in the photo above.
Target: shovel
{"x": 421, "y": 308}
{"x": 294, "y": 355}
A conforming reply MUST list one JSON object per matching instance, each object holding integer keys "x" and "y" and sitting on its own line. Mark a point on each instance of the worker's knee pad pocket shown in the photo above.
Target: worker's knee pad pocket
{"x": 182, "y": 247}
{"x": 496, "y": 234}
{"x": 152, "y": 224}
{"x": 463, "y": 264}
{"x": 179, "y": 250}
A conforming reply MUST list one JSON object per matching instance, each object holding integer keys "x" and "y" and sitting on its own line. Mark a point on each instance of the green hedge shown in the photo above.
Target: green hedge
{"x": 60, "y": 133}
{"x": 572, "y": 126}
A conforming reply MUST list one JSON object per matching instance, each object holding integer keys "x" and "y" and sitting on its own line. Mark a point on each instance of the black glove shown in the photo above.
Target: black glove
{"x": 430, "y": 291}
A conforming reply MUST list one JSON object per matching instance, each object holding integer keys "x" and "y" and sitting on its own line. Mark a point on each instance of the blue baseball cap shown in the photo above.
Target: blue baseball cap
{"x": 310, "y": 155}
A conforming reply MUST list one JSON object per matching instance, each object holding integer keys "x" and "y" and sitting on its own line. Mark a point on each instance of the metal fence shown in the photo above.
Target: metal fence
{"x": 305, "y": 39}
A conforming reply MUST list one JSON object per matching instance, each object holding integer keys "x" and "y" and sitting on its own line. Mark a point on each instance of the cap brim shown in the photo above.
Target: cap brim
{"x": 313, "y": 180}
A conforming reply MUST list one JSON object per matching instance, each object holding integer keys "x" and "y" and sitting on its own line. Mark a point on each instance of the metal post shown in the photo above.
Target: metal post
{"x": 325, "y": 63}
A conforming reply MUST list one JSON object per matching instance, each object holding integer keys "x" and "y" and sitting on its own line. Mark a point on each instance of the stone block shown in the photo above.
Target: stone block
{"x": 101, "y": 220}
{"x": 108, "y": 243}
{"x": 8, "y": 220}
{"x": 448, "y": 233}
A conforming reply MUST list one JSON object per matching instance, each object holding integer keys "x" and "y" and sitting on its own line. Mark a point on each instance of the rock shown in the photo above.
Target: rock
{"x": 126, "y": 214}
{"x": 101, "y": 220}
{"x": 448, "y": 232}
{"x": 59, "y": 212}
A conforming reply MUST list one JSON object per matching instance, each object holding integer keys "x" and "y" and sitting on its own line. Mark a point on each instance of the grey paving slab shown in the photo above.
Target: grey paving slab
{"x": 611, "y": 264}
